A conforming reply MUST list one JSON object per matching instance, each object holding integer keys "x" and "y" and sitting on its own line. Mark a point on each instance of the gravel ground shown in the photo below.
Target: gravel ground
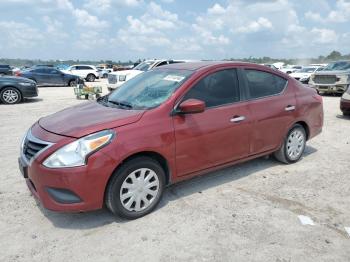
{"x": 248, "y": 212}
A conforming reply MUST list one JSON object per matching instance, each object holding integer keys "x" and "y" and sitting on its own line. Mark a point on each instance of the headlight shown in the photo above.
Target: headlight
{"x": 25, "y": 84}
{"x": 122, "y": 77}
{"x": 77, "y": 152}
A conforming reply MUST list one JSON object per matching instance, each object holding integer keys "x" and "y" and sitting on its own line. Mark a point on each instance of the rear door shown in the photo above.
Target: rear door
{"x": 218, "y": 135}
{"x": 272, "y": 106}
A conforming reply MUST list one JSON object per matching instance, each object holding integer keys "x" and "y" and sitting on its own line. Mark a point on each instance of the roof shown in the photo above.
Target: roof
{"x": 193, "y": 66}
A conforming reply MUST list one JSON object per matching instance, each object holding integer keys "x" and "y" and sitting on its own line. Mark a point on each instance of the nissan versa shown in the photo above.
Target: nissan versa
{"x": 166, "y": 125}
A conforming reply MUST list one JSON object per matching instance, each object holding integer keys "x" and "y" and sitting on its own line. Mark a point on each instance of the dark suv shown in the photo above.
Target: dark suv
{"x": 5, "y": 70}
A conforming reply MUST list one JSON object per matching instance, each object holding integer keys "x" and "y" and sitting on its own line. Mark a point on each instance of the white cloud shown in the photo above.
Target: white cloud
{"x": 313, "y": 16}
{"x": 55, "y": 28}
{"x": 85, "y": 19}
{"x": 19, "y": 35}
{"x": 323, "y": 36}
{"x": 255, "y": 26}
{"x": 340, "y": 14}
{"x": 217, "y": 9}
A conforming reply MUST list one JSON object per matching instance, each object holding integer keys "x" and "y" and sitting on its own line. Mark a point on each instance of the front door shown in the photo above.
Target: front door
{"x": 218, "y": 135}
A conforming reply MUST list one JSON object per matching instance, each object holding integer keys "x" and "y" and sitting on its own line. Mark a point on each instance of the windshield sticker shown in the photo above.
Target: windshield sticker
{"x": 173, "y": 78}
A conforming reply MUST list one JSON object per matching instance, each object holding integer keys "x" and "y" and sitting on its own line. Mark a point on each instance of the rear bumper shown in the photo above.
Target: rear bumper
{"x": 345, "y": 105}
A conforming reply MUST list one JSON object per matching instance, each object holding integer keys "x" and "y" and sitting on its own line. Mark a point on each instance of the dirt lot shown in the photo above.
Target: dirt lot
{"x": 245, "y": 213}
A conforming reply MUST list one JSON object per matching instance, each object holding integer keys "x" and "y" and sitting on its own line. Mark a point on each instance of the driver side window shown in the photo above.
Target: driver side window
{"x": 216, "y": 89}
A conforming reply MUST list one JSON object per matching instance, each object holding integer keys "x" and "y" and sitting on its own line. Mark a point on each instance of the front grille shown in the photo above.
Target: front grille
{"x": 325, "y": 79}
{"x": 112, "y": 79}
{"x": 32, "y": 146}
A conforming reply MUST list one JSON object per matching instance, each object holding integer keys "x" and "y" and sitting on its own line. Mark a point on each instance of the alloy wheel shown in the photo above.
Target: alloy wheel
{"x": 10, "y": 96}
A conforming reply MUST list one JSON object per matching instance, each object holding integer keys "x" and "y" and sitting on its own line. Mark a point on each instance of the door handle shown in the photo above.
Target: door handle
{"x": 237, "y": 119}
{"x": 290, "y": 108}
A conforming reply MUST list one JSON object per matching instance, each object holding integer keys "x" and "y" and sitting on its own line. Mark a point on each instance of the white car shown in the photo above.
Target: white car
{"x": 87, "y": 72}
{"x": 303, "y": 75}
{"x": 116, "y": 79}
{"x": 290, "y": 69}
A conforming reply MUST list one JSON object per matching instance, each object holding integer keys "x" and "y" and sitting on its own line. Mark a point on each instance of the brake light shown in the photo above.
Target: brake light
{"x": 18, "y": 74}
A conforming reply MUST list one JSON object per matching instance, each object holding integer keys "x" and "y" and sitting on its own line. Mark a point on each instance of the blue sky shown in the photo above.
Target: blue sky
{"x": 131, "y": 29}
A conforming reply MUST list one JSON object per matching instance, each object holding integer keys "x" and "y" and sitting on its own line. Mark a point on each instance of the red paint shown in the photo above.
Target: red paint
{"x": 192, "y": 144}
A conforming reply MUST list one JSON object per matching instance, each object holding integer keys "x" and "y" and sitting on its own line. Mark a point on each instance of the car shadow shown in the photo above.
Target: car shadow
{"x": 31, "y": 100}
{"x": 341, "y": 116}
{"x": 99, "y": 218}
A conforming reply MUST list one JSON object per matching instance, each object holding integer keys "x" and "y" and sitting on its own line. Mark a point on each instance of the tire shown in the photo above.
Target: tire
{"x": 105, "y": 75}
{"x": 10, "y": 95}
{"x": 293, "y": 145}
{"x": 128, "y": 176}
{"x": 72, "y": 83}
{"x": 90, "y": 78}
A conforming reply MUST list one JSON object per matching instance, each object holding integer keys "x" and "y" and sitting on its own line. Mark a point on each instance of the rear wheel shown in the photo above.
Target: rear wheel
{"x": 10, "y": 95}
{"x": 293, "y": 145}
{"x": 135, "y": 188}
{"x": 72, "y": 83}
{"x": 90, "y": 78}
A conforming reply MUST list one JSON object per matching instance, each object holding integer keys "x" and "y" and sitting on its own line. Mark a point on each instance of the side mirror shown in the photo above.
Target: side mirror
{"x": 191, "y": 106}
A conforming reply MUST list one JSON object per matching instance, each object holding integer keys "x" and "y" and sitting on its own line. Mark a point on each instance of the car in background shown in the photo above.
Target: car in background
{"x": 14, "y": 89}
{"x": 164, "y": 126}
{"x": 303, "y": 75}
{"x": 87, "y": 72}
{"x": 290, "y": 69}
{"x": 271, "y": 66}
{"x": 49, "y": 77}
{"x": 334, "y": 78}
{"x": 103, "y": 73}
{"x": 116, "y": 79}
{"x": 5, "y": 70}
{"x": 345, "y": 103}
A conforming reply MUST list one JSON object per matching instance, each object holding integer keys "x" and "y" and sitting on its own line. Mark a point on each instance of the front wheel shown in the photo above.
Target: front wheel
{"x": 293, "y": 145}
{"x": 72, "y": 83}
{"x": 10, "y": 95}
{"x": 135, "y": 188}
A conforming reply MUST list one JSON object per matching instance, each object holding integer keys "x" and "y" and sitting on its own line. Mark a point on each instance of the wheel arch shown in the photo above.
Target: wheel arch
{"x": 305, "y": 126}
{"x": 163, "y": 162}
{"x": 12, "y": 86}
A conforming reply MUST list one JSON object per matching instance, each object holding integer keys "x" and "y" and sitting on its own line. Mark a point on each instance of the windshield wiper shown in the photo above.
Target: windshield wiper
{"x": 121, "y": 104}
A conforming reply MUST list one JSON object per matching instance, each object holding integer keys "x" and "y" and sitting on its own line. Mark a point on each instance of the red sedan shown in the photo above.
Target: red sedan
{"x": 163, "y": 126}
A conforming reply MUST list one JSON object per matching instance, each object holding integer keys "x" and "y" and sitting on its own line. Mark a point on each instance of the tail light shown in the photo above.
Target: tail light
{"x": 18, "y": 74}
{"x": 318, "y": 98}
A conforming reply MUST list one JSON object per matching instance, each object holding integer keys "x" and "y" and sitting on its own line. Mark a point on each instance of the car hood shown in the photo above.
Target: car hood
{"x": 87, "y": 118}
{"x": 128, "y": 72}
{"x": 16, "y": 79}
{"x": 300, "y": 74}
{"x": 339, "y": 72}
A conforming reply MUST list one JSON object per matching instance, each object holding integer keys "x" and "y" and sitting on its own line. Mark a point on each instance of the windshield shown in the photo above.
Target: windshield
{"x": 307, "y": 70}
{"x": 149, "y": 89}
{"x": 343, "y": 65}
{"x": 144, "y": 66}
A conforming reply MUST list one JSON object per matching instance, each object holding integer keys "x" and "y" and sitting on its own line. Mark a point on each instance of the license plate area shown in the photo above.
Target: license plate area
{"x": 23, "y": 168}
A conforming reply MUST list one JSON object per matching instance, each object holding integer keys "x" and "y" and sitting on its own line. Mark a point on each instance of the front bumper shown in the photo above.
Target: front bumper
{"x": 331, "y": 88}
{"x": 112, "y": 87}
{"x": 31, "y": 91}
{"x": 67, "y": 189}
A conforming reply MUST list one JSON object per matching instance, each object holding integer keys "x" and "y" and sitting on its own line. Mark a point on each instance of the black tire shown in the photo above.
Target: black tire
{"x": 282, "y": 154}
{"x": 72, "y": 83}
{"x": 90, "y": 78}
{"x": 10, "y": 96}
{"x": 112, "y": 198}
{"x": 86, "y": 97}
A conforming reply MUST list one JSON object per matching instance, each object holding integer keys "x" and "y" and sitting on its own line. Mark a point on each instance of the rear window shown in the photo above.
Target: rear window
{"x": 262, "y": 84}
